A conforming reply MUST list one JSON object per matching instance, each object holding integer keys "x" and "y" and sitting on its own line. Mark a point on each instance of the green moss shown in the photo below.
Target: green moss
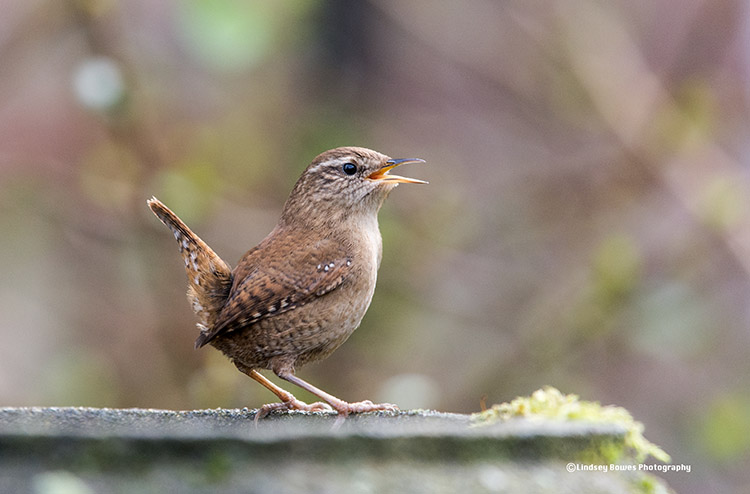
{"x": 602, "y": 452}
{"x": 549, "y": 403}
{"x": 649, "y": 485}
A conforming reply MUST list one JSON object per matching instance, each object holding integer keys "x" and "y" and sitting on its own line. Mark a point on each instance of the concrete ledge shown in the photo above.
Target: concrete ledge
{"x": 138, "y": 450}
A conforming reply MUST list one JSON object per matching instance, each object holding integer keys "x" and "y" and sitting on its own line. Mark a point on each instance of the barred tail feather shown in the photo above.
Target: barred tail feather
{"x": 209, "y": 277}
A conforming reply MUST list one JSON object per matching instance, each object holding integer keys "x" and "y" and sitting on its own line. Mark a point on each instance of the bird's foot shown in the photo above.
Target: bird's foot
{"x": 345, "y": 408}
{"x": 293, "y": 404}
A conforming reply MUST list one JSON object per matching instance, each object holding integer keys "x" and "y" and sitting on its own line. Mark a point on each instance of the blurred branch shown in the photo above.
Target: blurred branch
{"x": 128, "y": 122}
{"x": 26, "y": 36}
{"x": 630, "y": 99}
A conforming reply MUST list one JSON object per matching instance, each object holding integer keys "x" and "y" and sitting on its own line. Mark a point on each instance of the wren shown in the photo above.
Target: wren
{"x": 300, "y": 293}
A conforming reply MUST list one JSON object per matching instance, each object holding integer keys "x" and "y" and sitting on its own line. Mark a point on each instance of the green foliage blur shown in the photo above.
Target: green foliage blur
{"x": 586, "y": 224}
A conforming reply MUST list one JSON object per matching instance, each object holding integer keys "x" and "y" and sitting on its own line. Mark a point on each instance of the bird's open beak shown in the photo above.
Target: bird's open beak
{"x": 383, "y": 176}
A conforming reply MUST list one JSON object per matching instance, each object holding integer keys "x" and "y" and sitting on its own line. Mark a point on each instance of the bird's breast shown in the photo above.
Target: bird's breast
{"x": 365, "y": 237}
{"x": 355, "y": 295}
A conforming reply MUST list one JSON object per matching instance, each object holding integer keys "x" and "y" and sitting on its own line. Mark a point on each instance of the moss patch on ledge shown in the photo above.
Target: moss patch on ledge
{"x": 549, "y": 403}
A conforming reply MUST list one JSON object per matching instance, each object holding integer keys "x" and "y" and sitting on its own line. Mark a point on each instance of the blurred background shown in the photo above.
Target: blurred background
{"x": 586, "y": 225}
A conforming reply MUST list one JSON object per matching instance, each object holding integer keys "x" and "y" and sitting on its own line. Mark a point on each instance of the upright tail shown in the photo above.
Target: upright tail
{"x": 209, "y": 278}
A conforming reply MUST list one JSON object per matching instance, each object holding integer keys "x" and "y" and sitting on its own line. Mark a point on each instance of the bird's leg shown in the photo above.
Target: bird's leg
{"x": 342, "y": 407}
{"x": 288, "y": 401}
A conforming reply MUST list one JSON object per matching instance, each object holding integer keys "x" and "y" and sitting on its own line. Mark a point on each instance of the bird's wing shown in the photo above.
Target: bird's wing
{"x": 279, "y": 281}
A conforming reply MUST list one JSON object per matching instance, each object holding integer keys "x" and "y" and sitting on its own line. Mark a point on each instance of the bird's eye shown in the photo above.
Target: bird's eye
{"x": 349, "y": 168}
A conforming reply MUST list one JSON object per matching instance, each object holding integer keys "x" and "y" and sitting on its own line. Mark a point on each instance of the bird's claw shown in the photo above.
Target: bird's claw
{"x": 364, "y": 407}
{"x": 293, "y": 404}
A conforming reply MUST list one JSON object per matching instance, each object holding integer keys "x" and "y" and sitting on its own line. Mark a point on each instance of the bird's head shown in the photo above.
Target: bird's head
{"x": 347, "y": 180}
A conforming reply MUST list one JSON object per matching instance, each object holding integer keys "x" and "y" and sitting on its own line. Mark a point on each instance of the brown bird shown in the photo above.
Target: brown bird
{"x": 301, "y": 292}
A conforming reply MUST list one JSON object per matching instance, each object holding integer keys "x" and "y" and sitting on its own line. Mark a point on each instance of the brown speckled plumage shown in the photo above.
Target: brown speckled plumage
{"x": 304, "y": 289}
